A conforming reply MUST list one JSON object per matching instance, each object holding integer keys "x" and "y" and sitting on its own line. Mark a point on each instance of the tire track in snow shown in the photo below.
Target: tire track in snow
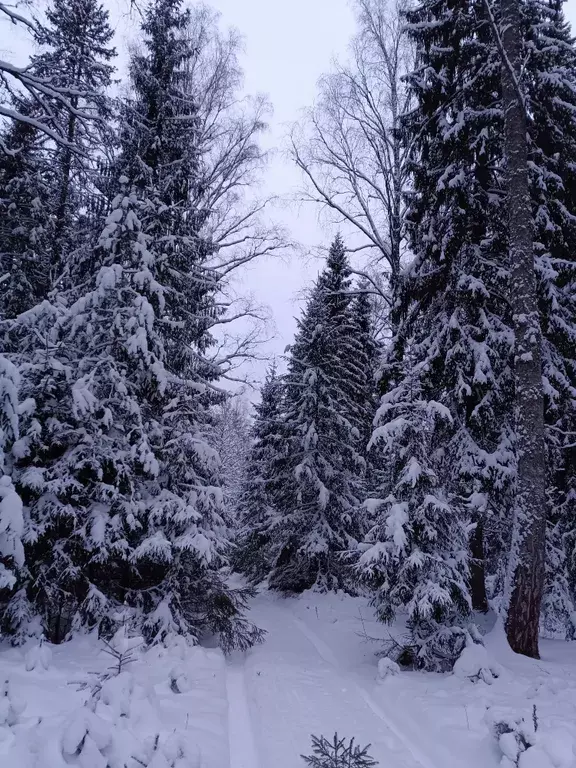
{"x": 326, "y": 653}
{"x": 242, "y": 745}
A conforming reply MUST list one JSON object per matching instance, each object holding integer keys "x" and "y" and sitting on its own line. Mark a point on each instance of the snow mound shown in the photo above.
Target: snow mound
{"x": 387, "y": 668}
{"x": 38, "y": 657}
{"x": 12, "y": 705}
{"x": 475, "y": 664}
{"x": 524, "y": 744}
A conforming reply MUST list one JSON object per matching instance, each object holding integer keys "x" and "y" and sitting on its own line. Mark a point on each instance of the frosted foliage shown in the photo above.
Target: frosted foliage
{"x": 9, "y": 429}
{"x": 11, "y": 530}
{"x": 11, "y": 519}
{"x": 415, "y": 556}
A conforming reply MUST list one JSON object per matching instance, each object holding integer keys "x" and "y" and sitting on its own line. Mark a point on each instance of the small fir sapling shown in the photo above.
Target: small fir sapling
{"x": 338, "y": 754}
{"x": 122, "y": 648}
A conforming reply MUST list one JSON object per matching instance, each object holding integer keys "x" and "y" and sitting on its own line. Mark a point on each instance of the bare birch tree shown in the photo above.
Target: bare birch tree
{"x": 237, "y": 223}
{"x": 229, "y": 127}
{"x": 350, "y": 148}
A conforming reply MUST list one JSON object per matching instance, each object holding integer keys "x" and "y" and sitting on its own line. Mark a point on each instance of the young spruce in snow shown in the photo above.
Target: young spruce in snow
{"x": 317, "y": 515}
{"x": 262, "y": 481}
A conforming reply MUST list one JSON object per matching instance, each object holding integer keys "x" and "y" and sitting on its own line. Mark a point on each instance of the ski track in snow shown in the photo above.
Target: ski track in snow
{"x": 326, "y": 653}
{"x": 243, "y": 752}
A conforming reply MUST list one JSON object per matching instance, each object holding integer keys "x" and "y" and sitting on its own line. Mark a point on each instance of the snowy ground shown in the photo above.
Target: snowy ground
{"x": 314, "y": 674}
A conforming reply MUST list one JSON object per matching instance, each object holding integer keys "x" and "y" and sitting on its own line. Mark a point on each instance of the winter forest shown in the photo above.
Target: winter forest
{"x": 370, "y": 535}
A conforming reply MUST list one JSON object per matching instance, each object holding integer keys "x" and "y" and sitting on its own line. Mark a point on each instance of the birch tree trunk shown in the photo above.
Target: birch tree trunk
{"x": 527, "y": 555}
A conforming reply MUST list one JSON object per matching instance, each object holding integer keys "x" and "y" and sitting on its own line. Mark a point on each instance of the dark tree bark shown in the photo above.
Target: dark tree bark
{"x": 527, "y": 555}
{"x": 477, "y": 570}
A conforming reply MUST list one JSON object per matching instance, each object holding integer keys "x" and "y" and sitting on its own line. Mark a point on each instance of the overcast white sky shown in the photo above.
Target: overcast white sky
{"x": 288, "y": 45}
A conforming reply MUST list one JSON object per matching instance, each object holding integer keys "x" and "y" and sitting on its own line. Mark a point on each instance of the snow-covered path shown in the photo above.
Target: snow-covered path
{"x": 243, "y": 751}
{"x": 296, "y": 686}
{"x": 325, "y": 652}
{"x": 316, "y": 673}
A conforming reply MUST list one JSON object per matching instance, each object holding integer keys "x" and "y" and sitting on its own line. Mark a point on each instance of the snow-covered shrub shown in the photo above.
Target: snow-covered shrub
{"x": 338, "y": 754}
{"x": 515, "y": 735}
{"x": 524, "y": 746}
{"x": 39, "y": 656}
{"x": 86, "y": 740}
{"x": 172, "y": 752}
{"x": 430, "y": 645}
{"x": 12, "y": 705}
{"x": 387, "y": 668}
{"x": 179, "y": 682}
{"x": 475, "y": 664}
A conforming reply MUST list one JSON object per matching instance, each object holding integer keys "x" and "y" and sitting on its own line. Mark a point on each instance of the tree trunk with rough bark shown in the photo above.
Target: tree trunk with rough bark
{"x": 527, "y": 555}
{"x": 477, "y": 570}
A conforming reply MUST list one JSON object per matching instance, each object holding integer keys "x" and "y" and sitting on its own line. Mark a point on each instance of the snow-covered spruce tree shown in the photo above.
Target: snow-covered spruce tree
{"x": 551, "y": 91}
{"x": 262, "y": 481}
{"x": 125, "y": 503}
{"x": 75, "y": 54}
{"x": 444, "y": 423}
{"x": 468, "y": 120}
{"x": 83, "y": 470}
{"x": 162, "y": 159}
{"x": 11, "y": 520}
{"x": 106, "y": 527}
{"x": 317, "y": 516}
{"x": 25, "y": 189}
